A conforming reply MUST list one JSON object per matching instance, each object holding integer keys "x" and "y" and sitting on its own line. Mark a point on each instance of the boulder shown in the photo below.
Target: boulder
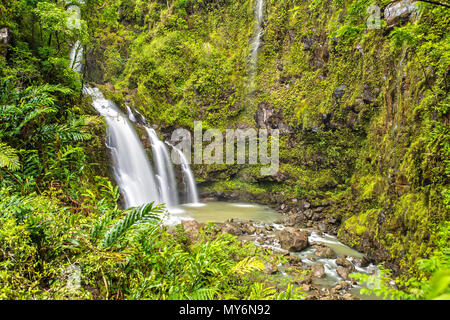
{"x": 231, "y": 229}
{"x": 292, "y": 239}
{"x": 399, "y": 12}
{"x": 342, "y": 261}
{"x": 295, "y": 220}
{"x": 270, "y": 268}
{"x": 318, "y": 270}
{"x": 325, "y": 252}
{"x": 294, "y": 261}
{"x": 344, "y": 272}
{"x": 309, "y": 214}
{"x": 322, "y": 227}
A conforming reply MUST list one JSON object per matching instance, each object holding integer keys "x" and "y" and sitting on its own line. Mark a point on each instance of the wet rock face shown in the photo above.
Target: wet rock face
{"x": 4, "y": 40}
{"x": 399, "y": 12}
{"x": 292, "y": 240}
{"x": 339, "y": 92}
{"x": 267, "y": 118}
{"x": 94, "y": 69}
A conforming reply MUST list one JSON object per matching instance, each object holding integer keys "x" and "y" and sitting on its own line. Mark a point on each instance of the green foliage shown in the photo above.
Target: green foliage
{"x": 260, "y": 292}
{"x": 379, "y": 284}
{"x": 248, "y": 265}
{"x": 432, "y": 284}
{"x": 144, "y": 214}
{"x": 8, "y": 157}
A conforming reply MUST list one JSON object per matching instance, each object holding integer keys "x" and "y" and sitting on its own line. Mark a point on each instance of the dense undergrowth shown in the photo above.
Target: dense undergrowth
{"x": 52, "y": 252}
{"x": 366, "y": 113}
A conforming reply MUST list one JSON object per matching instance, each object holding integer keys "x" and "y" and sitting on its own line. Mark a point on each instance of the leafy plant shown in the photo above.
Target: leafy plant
{"x": 8, "y": 157}
{"x": 148, "y": 213}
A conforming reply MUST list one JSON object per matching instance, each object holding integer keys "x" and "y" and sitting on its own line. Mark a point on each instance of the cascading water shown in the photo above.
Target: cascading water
{"x": 188, "y": 178}
{"x": 164, "y": 171}
{"x": 259, "y": 31}
{"x": 132, "y": 170}
{"x": 131, "y": 115}
{"x": 76, "y": 54}
{"x": 256, "y": 43}
{"x": 76, "y": 57}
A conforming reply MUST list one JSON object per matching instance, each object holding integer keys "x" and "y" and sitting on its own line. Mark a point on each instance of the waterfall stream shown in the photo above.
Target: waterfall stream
{"x": 164, "y": 171}
{"x": 132, "y": 169}
{"x": 256, "y": 43}
{"x": 188, "y": 178}
{"x": 259, "y": 31}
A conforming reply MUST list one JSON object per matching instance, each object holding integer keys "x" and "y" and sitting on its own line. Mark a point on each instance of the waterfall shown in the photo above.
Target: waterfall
{"x": 76, "y": 54}
{"x": 131, "y": 115}
{"x": 164, "y": 170}
{"x": 259, "y": 31}
{"x": 188, "y": 178}
{"x": 132, "y": 169}
{"x": 76, "y": 57}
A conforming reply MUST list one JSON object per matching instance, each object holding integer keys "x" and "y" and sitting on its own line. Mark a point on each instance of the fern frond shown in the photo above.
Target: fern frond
{"x": 144, "y": 214}
{"x": 63, "y": 132}
{"x": 203, "y": 294}
{"x": 8, "y": 157}
{"x": 260, "y": 292}
{"x": 248, "y": 265}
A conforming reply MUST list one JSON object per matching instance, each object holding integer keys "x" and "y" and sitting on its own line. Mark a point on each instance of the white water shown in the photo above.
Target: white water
{"x": 76, "y": 54}
{"x": 164, "y": 171}
{"x": 131, "y": 115}
{"x": 259, "y": 31}
{"x": 76, "y": 57}
{"x": 188, "y": 178}
{"x": 132, "y": 170}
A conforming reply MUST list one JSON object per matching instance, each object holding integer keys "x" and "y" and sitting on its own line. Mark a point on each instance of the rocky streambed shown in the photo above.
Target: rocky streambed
{"x": 323, "y": 262}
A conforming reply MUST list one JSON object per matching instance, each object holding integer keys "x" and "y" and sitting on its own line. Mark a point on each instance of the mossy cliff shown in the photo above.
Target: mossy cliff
{"x": 363, "y": 112}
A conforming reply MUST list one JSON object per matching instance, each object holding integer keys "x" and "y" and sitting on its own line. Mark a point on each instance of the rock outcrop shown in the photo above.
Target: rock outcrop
{"x": 4, "y": 41}
{"x": 399, "y": 12}
{"x": 292, "y": 239}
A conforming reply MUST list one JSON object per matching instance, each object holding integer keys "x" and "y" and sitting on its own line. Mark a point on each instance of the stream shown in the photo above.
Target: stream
{"x": 264, "y": 218}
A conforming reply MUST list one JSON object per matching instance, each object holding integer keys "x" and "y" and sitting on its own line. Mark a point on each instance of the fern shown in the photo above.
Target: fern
{"x": 8, "y": 157}
{"x": 144, "y": 214}
{"x": 63, "y": 131}
{"x": 248, "y": 265}
{"x": 204, "y": 294}
{"x": 259, "y": 292}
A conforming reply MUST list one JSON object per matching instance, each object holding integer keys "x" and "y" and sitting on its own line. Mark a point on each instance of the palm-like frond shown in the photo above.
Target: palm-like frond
{"x": 65, "y": 132}
{"x": 204, "y": 294}
{"x": 148, "y": 213}
{"x": 248, "y": 265}
{"x": 8, "y": 157}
